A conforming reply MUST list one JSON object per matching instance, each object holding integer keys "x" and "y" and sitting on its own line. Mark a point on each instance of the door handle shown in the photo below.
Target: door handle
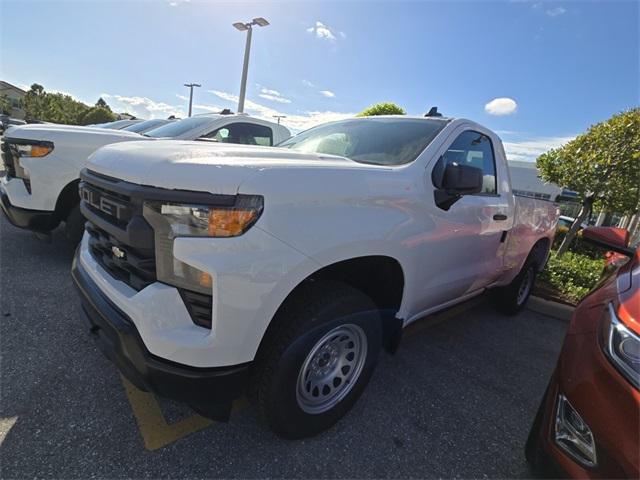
{"x": 499, "y": 217}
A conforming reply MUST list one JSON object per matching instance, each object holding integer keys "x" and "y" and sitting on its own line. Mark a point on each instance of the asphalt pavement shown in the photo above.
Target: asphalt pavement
{"x": 456, "y": 400}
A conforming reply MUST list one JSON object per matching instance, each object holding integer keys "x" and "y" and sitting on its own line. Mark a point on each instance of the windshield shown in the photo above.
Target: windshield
{"x": 176, "y": 129}
{"x": 146, "y": 125}
{"x": 378, "y": 141}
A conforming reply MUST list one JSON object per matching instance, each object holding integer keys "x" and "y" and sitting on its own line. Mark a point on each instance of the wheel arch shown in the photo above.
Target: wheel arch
{"x": 67, "y": 199}
{"x": 380, "y": 277}
{"x": 540, "y": 252}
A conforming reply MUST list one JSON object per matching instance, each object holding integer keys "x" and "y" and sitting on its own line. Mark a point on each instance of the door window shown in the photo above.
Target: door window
{"x": 243, "y": 133}
{"x": 474, "y": 149}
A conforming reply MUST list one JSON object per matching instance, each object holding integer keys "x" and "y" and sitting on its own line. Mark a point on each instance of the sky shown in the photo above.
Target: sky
{"x": 536, "y": 72}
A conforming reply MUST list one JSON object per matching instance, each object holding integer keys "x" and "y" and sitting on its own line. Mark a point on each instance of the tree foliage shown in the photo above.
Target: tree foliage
{"x": 102, "y": 104}
{"x": 97, "y": 115}
{"x": 383, "y": 108}
{"x": 602, "y": 165}
{"x": 5, "y": 104}
{"x": 60, "y": 108}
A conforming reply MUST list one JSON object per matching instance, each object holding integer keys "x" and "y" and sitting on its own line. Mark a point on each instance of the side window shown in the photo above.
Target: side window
{"x": 243, "y": 133}
{"x": 474, "y": 149}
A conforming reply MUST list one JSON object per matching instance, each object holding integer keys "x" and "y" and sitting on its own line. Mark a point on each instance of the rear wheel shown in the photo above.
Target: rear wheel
{"x": 318, "y": 360}
{"x": 512, "y": 298}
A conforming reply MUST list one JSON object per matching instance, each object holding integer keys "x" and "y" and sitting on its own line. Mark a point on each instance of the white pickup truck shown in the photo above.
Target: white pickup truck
{"x": 211, "y": 270}
{"x": 43, "y": 161}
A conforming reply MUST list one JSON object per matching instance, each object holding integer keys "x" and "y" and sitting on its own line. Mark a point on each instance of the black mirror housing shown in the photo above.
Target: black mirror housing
{"x": 455, "y": 181}
{"x": 462, "y": 179}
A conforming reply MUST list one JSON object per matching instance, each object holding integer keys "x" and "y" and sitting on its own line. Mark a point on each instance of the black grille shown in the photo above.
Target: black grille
{"x": 135, "y": 267}
{"x": 120, "y": 239}
{"x": 7, "y": 158}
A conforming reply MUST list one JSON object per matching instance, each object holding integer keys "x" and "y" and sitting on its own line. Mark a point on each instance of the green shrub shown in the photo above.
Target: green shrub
{"x": 578, "y": 245}
{"x": 574, "y": 274}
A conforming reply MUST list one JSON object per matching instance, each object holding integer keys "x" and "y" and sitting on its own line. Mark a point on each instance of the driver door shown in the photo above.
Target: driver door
{"x": 464, "y": 253}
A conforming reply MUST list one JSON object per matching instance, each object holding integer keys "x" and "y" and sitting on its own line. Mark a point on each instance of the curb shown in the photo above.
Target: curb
{"x": 550, "y": 308}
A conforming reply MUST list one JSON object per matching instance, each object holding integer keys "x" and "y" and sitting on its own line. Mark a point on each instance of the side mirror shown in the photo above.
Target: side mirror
{"x": 455, "y": 181}
{"x": 611, "y": 238}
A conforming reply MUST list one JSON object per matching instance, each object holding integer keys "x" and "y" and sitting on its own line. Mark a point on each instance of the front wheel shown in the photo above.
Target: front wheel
{"x": 74, "y": 225}
{"x": 319, "y": 361}
{"x": 512, "y": 298}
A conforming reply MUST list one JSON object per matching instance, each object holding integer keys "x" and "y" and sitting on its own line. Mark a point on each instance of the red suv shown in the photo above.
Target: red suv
{"x": 588, "y": 424}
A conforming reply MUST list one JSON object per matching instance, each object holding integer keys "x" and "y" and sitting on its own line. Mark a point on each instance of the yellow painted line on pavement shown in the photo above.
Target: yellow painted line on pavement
{"x": 154, "y": 429}
{"x": 6, "y": 424}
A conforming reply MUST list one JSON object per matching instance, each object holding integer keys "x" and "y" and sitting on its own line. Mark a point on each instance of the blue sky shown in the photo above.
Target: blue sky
{"x": 555, "y": 67}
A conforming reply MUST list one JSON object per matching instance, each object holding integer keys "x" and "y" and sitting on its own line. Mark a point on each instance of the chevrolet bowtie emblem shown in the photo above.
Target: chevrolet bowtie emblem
{"x": 118, "y": 252}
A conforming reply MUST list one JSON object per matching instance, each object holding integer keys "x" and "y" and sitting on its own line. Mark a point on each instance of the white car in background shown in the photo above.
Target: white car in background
{"x": 118, "y": 124}
{"x": 43, "y": 162}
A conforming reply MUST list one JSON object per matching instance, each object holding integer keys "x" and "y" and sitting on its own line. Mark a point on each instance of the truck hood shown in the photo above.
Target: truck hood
{"x": 52, "y": 131}
{"x": 200, "y": 166}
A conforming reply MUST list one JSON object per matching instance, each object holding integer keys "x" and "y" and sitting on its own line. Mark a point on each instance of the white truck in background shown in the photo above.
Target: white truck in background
{"x": 207, "y": 271}
{"x": 43, "y": 161}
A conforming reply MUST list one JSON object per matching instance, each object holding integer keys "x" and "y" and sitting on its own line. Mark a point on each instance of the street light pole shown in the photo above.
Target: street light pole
{"x": 248, "y": 27}
{"x": 191, "y": 85}
{"x": 279, "y": 117}
{"x": 245, "y": 68}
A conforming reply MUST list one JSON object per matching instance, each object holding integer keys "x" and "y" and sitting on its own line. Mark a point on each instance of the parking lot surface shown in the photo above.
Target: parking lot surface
{"x": 456, "y": 400}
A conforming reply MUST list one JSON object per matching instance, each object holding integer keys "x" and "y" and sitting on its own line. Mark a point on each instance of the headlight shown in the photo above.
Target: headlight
{"x": 171, "y": 220}
{"x": 622, "y": 346}
{"x": 37, "y": 149}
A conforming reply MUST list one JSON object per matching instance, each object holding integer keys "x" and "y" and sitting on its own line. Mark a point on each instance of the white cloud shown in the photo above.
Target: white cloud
{"x": 270, "y": 92}
{"x": 501, "y": 106}
{"x": 175, "y": 3}
{"x": 143, "y": 107}
{"x": 530, "y": 149}
{"x": 306, "y": 83}
{"x": 295, "y": 122}
{"x": 207, "y": 108}
{"x": 327, "y": 93}
{"x": 182, "y": 97}
{"x": 273, "y": 95}
{"x": 556, "y": 12}
{"x": 320, "y": 30}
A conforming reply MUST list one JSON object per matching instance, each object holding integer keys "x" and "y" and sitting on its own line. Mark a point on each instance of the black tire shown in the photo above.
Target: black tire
{"x": 512, "y": 298}
{"x": 74, "y": 225}
{"x": 303, "y": 322}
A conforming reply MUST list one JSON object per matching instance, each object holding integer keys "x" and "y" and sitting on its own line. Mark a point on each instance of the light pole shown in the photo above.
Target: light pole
{"x": 191, "y": 85}
{"x": 279, "y": 117}
{"x": 248, "y": 27}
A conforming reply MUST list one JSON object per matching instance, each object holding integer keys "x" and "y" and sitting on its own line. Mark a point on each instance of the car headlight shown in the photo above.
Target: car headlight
{"x": 622, "y": 346}
{"x": 36, "y": 149}
{"x": 172, "y": 220}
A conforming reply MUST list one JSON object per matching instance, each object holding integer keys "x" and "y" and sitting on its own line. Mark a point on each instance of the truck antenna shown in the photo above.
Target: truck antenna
{"x": 433, "y": 112}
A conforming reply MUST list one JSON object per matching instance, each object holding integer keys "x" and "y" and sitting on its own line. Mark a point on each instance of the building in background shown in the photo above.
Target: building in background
{"x": 15, "y": 96}
{"x": 525, "y": 182}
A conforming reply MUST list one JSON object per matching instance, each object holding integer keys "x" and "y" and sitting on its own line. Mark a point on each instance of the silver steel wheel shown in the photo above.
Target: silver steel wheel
{"x": 525, "y": 286}
{"x": 331, "y": 369}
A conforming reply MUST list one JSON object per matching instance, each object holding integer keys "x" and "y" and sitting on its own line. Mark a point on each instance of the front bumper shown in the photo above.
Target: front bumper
{"x": 36, "y": 220}
{"x": 119, "y": 340}
{"x": 606, "y": 401}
